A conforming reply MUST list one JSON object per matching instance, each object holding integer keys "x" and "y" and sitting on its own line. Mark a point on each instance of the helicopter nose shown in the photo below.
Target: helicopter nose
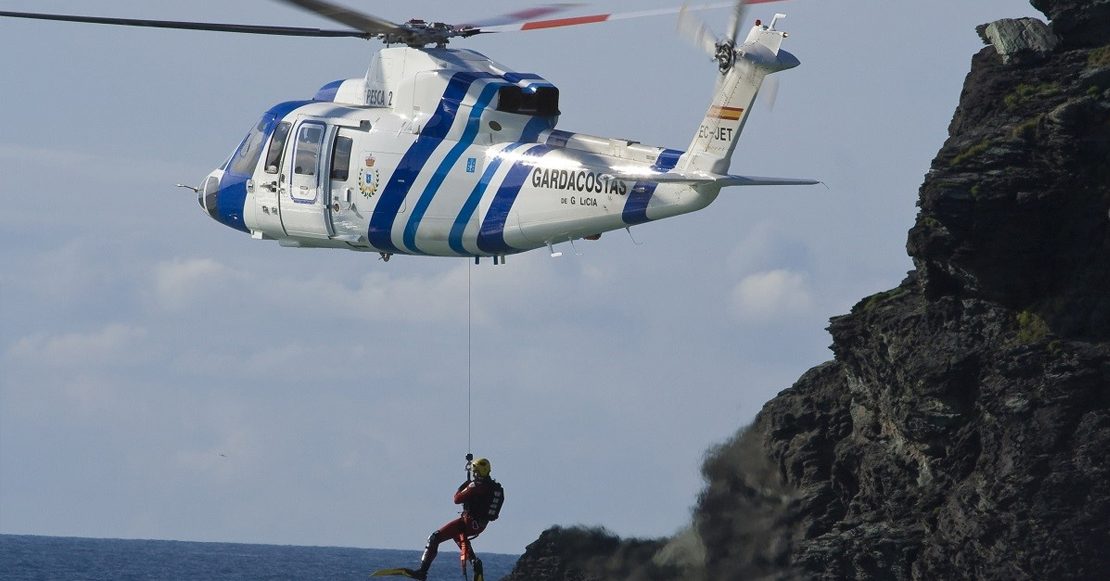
{"x": 208, "y": 195}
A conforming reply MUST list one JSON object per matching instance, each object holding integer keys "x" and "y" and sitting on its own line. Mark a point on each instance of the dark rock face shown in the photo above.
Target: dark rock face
{"x": 966, "y": 449}
{"x": 1078, "y": 22}
{"x": 963, "y": 429}
{"x": 581, "y": 554}
{"x": 1014, "y": 208}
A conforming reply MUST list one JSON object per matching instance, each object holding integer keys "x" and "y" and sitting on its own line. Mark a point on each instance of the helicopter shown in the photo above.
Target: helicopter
{"x": 439, "y": 151}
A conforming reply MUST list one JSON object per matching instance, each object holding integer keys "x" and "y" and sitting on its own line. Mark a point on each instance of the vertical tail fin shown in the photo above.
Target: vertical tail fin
{"x": 743, "y": 69}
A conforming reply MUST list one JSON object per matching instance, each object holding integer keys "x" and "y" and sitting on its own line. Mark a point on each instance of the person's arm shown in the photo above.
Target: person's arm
{"x": 469, "y": 490}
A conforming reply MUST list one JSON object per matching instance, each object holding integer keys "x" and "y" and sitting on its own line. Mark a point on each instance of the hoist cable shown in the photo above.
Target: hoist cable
{"x": 469, "y": 358}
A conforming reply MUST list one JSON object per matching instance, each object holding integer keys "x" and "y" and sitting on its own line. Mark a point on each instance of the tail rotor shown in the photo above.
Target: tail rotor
{"x": 744, "y": 64}
{"x": 698, "y": 32}
{"x": 727, "y": 49}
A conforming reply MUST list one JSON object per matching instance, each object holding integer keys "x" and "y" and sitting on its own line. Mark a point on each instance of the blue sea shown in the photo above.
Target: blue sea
{"x": 34, "y": 558}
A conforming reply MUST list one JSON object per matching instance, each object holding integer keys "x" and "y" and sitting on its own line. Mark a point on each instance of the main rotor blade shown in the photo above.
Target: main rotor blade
{"x": 364, "y": 22}
{"x": 210, "y": 26}
{"x": 595, "y": 18}
{"x": 519, "y": 16}
{"x": 367, "y": 26}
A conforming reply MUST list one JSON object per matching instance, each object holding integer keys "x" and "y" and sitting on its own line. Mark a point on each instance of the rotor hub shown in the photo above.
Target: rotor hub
{"x": 726, "y": 55}
{"x": 419, "y": 33}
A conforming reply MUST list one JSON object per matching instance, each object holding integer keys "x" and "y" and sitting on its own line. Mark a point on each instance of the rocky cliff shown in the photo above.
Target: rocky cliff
{"x": 963, "y": 429}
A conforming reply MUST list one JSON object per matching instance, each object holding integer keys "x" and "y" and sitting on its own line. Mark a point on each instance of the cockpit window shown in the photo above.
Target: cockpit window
{"x": 277, "y": 146}
{"x": 341, "y": 159}
{"x": 250, "y": 151}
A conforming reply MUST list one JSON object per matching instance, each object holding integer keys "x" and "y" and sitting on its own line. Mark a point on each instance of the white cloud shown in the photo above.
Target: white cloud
{"x": 772, "y": 294}
{"x": 103, "y": 399}
{"x": 85, "y": 161}
{"x": 233, "y": 456}
{"x": 58, "y": 276}
{"x": 765, "y": 247}
{"x": 414, "y": 295}
{"x": 75, "y": 377}
{"x": 181, "y": 283}
{"x": 380, "y": 296}
{"x": 113, "y": 344}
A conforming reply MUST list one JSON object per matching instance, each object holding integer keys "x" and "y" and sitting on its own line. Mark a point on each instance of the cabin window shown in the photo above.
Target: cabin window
{"x": 250, "y": 150}
{"x": 341, "y": 158}
{"x": 309, "y": 140}
{"x": 277, "y": 147}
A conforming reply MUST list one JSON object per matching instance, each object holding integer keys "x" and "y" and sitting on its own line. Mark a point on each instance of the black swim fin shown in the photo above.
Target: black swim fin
{"x": 410, "y": 573}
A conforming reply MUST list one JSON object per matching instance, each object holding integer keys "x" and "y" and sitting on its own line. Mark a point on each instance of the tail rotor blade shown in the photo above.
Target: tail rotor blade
{"x": 769, "y": 92}
{"x": 695, "y": 31}
{"x": 737, "y": 20}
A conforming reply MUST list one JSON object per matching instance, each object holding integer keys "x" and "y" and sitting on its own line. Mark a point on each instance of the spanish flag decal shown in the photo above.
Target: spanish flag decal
{"x": 727, "y": 113}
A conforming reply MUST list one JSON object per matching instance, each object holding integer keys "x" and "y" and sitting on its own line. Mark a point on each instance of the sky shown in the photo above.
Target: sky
{"x": 164, "y": 376}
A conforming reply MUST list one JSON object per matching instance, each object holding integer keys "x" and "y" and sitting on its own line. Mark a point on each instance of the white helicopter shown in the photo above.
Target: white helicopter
{"x": 444, "y": 152}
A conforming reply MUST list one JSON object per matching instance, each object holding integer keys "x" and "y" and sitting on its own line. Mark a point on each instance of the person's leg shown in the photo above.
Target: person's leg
{"x": 467, "y": 554}
{"x": 464, "y": 547}
{"x": 448, "y": 531}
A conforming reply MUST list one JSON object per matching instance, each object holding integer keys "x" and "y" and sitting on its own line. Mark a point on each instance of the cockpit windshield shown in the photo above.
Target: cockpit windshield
{"x": 246, "y": 157}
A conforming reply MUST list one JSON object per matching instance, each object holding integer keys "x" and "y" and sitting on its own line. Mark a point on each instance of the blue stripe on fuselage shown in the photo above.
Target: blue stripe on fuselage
{"x": 667, "y": 160}
{"x": 491, "y": 237}
{"x": 471, "y": 204}
{"x": 380, "y": 232}
{"x": 536, "y": 126}
{"x": 635, "y": 209}
{"x": 473, "y": 125}
{"x": 329, "y": 91}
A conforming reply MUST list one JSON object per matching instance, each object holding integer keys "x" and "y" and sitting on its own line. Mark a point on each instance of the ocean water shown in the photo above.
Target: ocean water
{"x": 33, "y": 558}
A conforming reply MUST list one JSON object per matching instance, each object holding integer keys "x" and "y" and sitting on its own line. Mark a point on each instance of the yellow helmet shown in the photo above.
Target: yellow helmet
{"x": 481, "y": 468}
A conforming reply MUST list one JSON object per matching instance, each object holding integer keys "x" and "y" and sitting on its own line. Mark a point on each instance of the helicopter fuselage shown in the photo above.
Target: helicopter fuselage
{"x": 438, "y": 152}
{"x": 444, "y": 152}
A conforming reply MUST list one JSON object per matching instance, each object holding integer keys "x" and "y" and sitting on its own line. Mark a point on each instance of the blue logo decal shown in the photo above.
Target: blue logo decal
{"x": 471, "y": 165}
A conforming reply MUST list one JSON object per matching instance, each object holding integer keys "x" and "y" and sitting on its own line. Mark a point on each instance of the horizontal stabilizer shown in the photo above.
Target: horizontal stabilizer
{"x": 704, "y": 178}
{"x": 732, "y": 180}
